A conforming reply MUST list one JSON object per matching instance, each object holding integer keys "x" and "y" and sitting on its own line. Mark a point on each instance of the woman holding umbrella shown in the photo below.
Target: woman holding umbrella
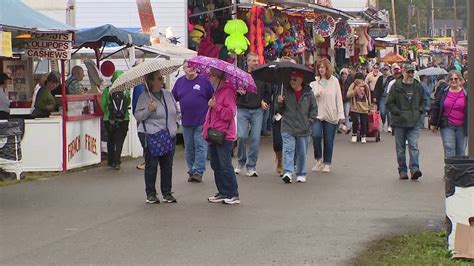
{"x": 298, "y": 106}
{"x": 157, "y": 110}
{"x": 330, "y": 112}
{"x": 220, "y": 117}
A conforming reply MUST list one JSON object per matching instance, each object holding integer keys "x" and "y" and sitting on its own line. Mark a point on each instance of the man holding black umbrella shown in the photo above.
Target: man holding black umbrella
{"x": 250, "y": 108}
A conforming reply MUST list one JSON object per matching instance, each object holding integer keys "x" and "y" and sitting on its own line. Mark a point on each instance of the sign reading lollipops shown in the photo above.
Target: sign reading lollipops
{"x": 324, "y": 25}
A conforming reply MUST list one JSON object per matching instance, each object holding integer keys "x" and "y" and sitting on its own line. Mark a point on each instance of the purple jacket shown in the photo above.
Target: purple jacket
{"x": 222, "y": 115}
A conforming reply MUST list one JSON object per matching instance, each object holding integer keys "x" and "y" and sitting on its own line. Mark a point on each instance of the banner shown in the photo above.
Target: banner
{"x": 6, "y": 44}
{"x": 145, "y": 12}
{"x": 324, "y": 25}
{"x": 341, "y": 34}
{"x": 50, "y": 45}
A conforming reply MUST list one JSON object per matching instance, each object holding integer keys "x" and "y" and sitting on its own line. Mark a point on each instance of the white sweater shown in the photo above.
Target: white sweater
{"x": 330, "y": 106}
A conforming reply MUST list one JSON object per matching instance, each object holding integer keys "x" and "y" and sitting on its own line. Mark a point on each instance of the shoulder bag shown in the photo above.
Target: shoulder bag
{"x": 159, "y": 143}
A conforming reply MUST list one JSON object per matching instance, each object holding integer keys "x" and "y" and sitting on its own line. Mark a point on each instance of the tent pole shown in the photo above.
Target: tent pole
{"x": 64, "y": 114}
{"x": 470, "y": 42}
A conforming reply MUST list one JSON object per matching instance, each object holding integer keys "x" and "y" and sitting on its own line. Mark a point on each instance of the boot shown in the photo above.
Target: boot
{"x": 279, "y": 161}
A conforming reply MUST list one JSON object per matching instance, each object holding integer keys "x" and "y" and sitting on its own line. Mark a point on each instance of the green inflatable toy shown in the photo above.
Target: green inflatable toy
{"x": 236, "y": 42}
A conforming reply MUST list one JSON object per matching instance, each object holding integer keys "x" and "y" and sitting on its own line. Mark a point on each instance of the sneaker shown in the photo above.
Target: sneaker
{"x": 195, "y": 178}
{"x": 232, "y": 201}
{"x": 168, "y": 198}
{"x": 389, "y": 130}
{"x": 152, "y": 199}
{"x": 117, "y": 167}
{"x": 252, "y": 173}
{"x": 301, "y": 179}
{"x": 327, "y": 168}
{"x": 363, "y": 140}
{"x": 415, "y": 175}
{"x": 141, "y": 166}
{"x": 354, "y": 139}
{"x": 238, "y": 169}
{"x": 286, "y": 178}
{"x": 403, "y": 176}
{"x": 317, "y": 166}
{"x": 216, "y": 198}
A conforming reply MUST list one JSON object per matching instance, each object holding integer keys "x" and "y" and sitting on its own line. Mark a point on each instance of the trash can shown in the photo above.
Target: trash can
{"x": 11, "y": 133}
{"x": 459, "y": 178}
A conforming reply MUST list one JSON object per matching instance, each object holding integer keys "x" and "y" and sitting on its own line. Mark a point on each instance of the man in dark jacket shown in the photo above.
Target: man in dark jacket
{"x": 381, "y": 92}
{"x": 250, "y": 109}
{"x": 406, "y": 102}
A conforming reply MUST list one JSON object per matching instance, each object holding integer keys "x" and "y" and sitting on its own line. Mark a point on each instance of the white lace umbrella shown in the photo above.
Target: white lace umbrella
{"x": 432, "y": 71}
{"x": 136, "y": 75}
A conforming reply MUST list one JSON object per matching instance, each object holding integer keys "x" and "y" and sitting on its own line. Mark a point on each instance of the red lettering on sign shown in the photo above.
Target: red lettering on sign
{"x": 73, "y": 148}
{"x": 91, "y": 144}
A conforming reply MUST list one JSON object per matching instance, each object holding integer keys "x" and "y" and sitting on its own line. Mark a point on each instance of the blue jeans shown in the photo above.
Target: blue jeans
{"x": 245, "y": 118}
{"x": 292, "y": 146}
{"x": 454, "y": 141}
{"x": 266, "y": 123}
{"x": 410, "y": 134}
{"x": 221, "y": 164}
{"x": 195, "y": 148}
{"x": 327, "y": 131}
{"x": 385, "y": 115}
{"x": 347, "y": 109}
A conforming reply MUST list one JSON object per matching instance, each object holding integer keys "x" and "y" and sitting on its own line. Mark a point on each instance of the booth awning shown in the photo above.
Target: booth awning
{"x": 106, "y": 34}
{"x": 14, "y": 14}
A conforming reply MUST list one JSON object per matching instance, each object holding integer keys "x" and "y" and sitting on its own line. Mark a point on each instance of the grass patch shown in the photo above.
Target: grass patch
{"x": 427, "y": 248}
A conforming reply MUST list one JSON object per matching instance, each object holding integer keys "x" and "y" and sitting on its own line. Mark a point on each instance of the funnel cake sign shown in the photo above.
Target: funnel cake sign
{"x": 324, "y": 25}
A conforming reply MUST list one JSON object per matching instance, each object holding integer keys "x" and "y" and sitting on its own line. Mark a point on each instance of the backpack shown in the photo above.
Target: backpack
{"x": 118, "y": 106}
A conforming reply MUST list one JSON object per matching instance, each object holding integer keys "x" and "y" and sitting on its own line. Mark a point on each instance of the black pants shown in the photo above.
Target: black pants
{"x": 4, "y": 115}
{"x": 362, "y": 120}
{"x": 276, "y": 135}
{"x": 116, "y": 134}
{"x": 151, "y": 170}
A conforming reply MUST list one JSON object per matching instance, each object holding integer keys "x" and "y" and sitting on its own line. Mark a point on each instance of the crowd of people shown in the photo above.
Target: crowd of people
{"x": 296, "y": 114}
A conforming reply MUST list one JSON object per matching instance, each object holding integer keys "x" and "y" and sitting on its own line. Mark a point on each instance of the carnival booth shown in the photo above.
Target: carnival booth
{"x": 272, "y": 29}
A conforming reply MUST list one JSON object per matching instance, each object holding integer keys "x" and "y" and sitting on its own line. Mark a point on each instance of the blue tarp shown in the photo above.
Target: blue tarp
{"x": 15, "y": 14}
{"x": 110, "y": 34}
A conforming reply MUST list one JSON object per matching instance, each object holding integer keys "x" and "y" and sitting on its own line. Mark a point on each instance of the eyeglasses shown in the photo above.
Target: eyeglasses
{"x": 159, "y": 78}
{"x": 293, "y": 79}
{"x": 411, "y": 72}
{"x": 385, "y": 69}
{"x": 453, "y": 79}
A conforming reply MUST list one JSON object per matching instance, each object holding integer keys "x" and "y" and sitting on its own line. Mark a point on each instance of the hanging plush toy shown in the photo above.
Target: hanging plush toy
{"x": 257, "y": 32}
{"x": 197, "y": 34}
{"x": 236, "y": 42}
{"x": 270, "y": 36}
{"x": 268, "y": 17}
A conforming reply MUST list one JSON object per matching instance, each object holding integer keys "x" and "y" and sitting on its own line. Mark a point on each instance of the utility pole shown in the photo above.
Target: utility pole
{"x": 394, "y": 18}
{"x": 410, "y": 6}
{"x": 455, "y": 22}
{"x": 418, "y": 25}
{"x": 432, "y": 17}
{"x": 470, "y": 42}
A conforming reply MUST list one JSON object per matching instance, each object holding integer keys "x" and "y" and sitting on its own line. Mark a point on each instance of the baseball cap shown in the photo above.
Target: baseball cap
{"x": 409, "y": 68}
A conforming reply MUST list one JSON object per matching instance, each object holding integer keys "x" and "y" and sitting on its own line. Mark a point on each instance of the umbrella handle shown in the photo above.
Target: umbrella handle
{"x": 281, "y": 91}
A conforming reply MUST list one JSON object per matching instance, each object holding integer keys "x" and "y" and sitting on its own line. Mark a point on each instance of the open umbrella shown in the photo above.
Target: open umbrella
{"x": 280, "y": 72}
{"x": 241, "y": 80}
{"x": 392, "y": 57}
{"x": 136, "y": 75}
{"x": 432, "y": 71}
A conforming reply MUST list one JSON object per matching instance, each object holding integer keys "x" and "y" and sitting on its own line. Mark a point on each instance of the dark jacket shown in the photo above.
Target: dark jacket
{"x": 297, "y": 117}
{"x": 405, "y": 112}
{"x": 437, "y": 109}
{"x": 252, "y": 100}
{"x": 345, "y": 87}
{"x": 380, "y": 87}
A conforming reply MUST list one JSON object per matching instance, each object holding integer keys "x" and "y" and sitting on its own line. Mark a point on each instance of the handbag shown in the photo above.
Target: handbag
{"x": 159, "y": 143}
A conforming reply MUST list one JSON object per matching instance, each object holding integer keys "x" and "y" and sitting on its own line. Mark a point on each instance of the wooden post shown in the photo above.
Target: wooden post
{"x": 432, "y": 18}
{"x": 394, "y": 18}
{"x": 455, "y": 20}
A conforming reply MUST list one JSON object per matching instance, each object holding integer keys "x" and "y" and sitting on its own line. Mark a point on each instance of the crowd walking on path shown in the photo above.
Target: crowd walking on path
{"x": 220, "y": 107}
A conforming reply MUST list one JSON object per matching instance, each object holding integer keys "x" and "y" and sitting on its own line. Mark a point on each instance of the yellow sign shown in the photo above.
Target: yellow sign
{"x": 6, "y": 44}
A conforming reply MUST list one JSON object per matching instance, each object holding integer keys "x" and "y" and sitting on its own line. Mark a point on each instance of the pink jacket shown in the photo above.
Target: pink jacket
{"x": 222, "y": 115}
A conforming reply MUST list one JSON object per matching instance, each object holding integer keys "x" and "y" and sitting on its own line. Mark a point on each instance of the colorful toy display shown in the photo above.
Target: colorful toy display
{"x": 257, "y": 32}
{"x": 236, "y": 42}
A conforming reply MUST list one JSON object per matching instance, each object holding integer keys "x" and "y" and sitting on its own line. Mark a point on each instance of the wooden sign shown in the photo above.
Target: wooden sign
{"x": 145, "y": 12}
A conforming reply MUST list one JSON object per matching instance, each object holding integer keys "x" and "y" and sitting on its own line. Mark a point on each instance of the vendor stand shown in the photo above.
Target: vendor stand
{"x": 69, "y": 138}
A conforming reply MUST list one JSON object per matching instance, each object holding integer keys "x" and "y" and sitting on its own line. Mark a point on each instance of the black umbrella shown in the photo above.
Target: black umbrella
{"x": 280, "y": 72}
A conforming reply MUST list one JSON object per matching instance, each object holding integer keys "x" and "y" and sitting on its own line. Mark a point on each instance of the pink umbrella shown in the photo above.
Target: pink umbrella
{"x": 241, "y": 80}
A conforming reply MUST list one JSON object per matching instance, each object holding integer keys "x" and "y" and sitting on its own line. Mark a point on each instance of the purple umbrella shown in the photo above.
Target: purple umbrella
{"x": 241, "y": 80}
